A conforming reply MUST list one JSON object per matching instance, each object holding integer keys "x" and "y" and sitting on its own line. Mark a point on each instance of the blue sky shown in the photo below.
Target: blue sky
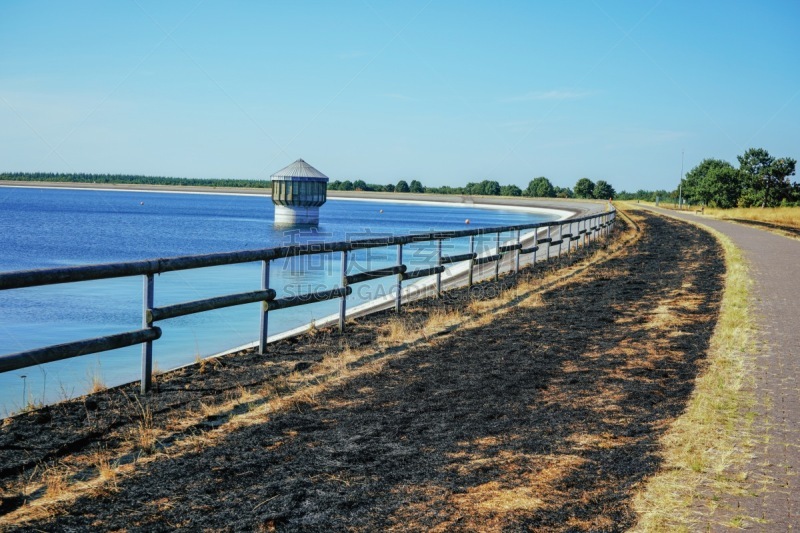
{"x": 443, "y": 92}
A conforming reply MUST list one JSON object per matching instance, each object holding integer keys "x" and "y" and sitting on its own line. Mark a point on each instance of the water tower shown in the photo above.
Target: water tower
{"x": 297, "y": 192}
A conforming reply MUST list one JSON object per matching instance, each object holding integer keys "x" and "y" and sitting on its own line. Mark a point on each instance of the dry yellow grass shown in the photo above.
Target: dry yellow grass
{"x": 208, "y": 364}
{"x": 56, "y": 481}
{"x": 96, "y": 385}
{"x": 95, "y": 378}
{"x": 784, "y": 216}
{"x": 106, "y": 468}
{"x": 398, "y": 330}
{"x": 440, "y": 320}
{"x": 532, "y": 301}
{"x": 144, "y": 434}
{"x": 245, "y": 396}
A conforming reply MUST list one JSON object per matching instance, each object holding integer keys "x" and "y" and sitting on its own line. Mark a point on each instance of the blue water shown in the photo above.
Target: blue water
{"x": 41, "y": 228}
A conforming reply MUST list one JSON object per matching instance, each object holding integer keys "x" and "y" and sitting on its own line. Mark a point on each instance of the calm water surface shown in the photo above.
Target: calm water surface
{"x": 41, "y": 228}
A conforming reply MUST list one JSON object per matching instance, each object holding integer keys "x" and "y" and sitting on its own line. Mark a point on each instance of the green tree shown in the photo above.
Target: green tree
{"x": 486, "y": 187}
{"x": 796, "y": 193}
{"x": 584, "y": 188}
{"x": 766, "y": 178}
{"x": 723, "y": 186}
{"x": 510, "y": 190}
{"x": 416, "y": 186}
{"x": 696, "y": 185}
{"x": 346, "y": 185}
{"x": 491, "y": 188}
{"x": 389, "y": 187}
{"x": 402, "y": 186}
{"x": 334, "y": 185}
{"x": 540, "y": 188}
{"x": 361, "y": 185}
{"x": 563, "y": 192}
{"x": 641, "y": 194}
{"x": 603, "y": 190}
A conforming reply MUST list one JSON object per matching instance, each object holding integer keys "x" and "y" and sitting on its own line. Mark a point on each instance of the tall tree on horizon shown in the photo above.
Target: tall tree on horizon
{"x": 540, "y": 188}
{"x": 767, "y": 177}
{"x": 584, "y": 188}
{"x": 603, "y": 190}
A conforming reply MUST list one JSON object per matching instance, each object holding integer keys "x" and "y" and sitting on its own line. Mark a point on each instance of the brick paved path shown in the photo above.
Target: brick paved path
{"x": 774, "y": 472}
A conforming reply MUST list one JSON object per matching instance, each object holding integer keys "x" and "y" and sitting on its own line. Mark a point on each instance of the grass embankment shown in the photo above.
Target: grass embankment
{"x": 709, "y": 440}
{"x": 780, "y": 216}
{"x": 783, "y": 221}
{"x": 786, "y": 217}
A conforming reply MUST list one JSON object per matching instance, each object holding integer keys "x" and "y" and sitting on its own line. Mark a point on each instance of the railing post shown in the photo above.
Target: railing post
{"x": 264, "y": 318}
{"x": 585, "y": 232}
{"x": 343, "y": 300}
{"x": 560, "y": 238}
{"x": 147, "y": 347}
{"x": 571, "y": 239}
{"x": 549, "y": 239}
{"x": 497, "y": 263}
{"x": 439, "y": 274}
{"x": 587, "y": 237}
{"x": 471, "y": 260}
{"x": 535, "y": 245}
{"x": 398, "y": 299}
{"x": 569, "y": 242}
{"x": 516, "y": 257}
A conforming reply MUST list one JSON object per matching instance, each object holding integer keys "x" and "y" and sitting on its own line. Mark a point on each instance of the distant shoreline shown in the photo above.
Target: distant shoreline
{"x": 575, "y": 207}
{"x": 136, "y": 187}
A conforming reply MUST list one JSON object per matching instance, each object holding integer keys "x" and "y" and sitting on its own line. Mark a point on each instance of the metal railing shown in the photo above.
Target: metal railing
{"x": 584, "y": 228}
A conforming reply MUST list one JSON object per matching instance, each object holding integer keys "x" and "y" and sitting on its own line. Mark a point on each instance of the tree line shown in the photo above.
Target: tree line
{"x": 761, "y": 180}
{"x": 662, "y": 195}
{"x": 127, "y": 179}
{"x": 540, "y": 187}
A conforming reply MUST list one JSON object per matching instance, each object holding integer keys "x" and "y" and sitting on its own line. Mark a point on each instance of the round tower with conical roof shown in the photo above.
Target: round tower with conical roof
{"x": 298, "y": 191}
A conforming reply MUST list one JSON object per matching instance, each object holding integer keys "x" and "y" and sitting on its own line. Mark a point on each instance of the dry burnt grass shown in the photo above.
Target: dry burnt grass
{"x": 546, "y": 416}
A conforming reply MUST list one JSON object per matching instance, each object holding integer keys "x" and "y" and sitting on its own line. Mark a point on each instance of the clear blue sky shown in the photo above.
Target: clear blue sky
{"x": 443, "y": 92}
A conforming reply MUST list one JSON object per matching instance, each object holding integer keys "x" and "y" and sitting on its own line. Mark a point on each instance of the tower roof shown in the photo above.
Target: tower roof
{"x": 299, "y": 169}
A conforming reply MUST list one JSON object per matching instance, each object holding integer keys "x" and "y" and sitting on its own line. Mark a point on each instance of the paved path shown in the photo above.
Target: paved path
{"x": 775, "y": 469}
